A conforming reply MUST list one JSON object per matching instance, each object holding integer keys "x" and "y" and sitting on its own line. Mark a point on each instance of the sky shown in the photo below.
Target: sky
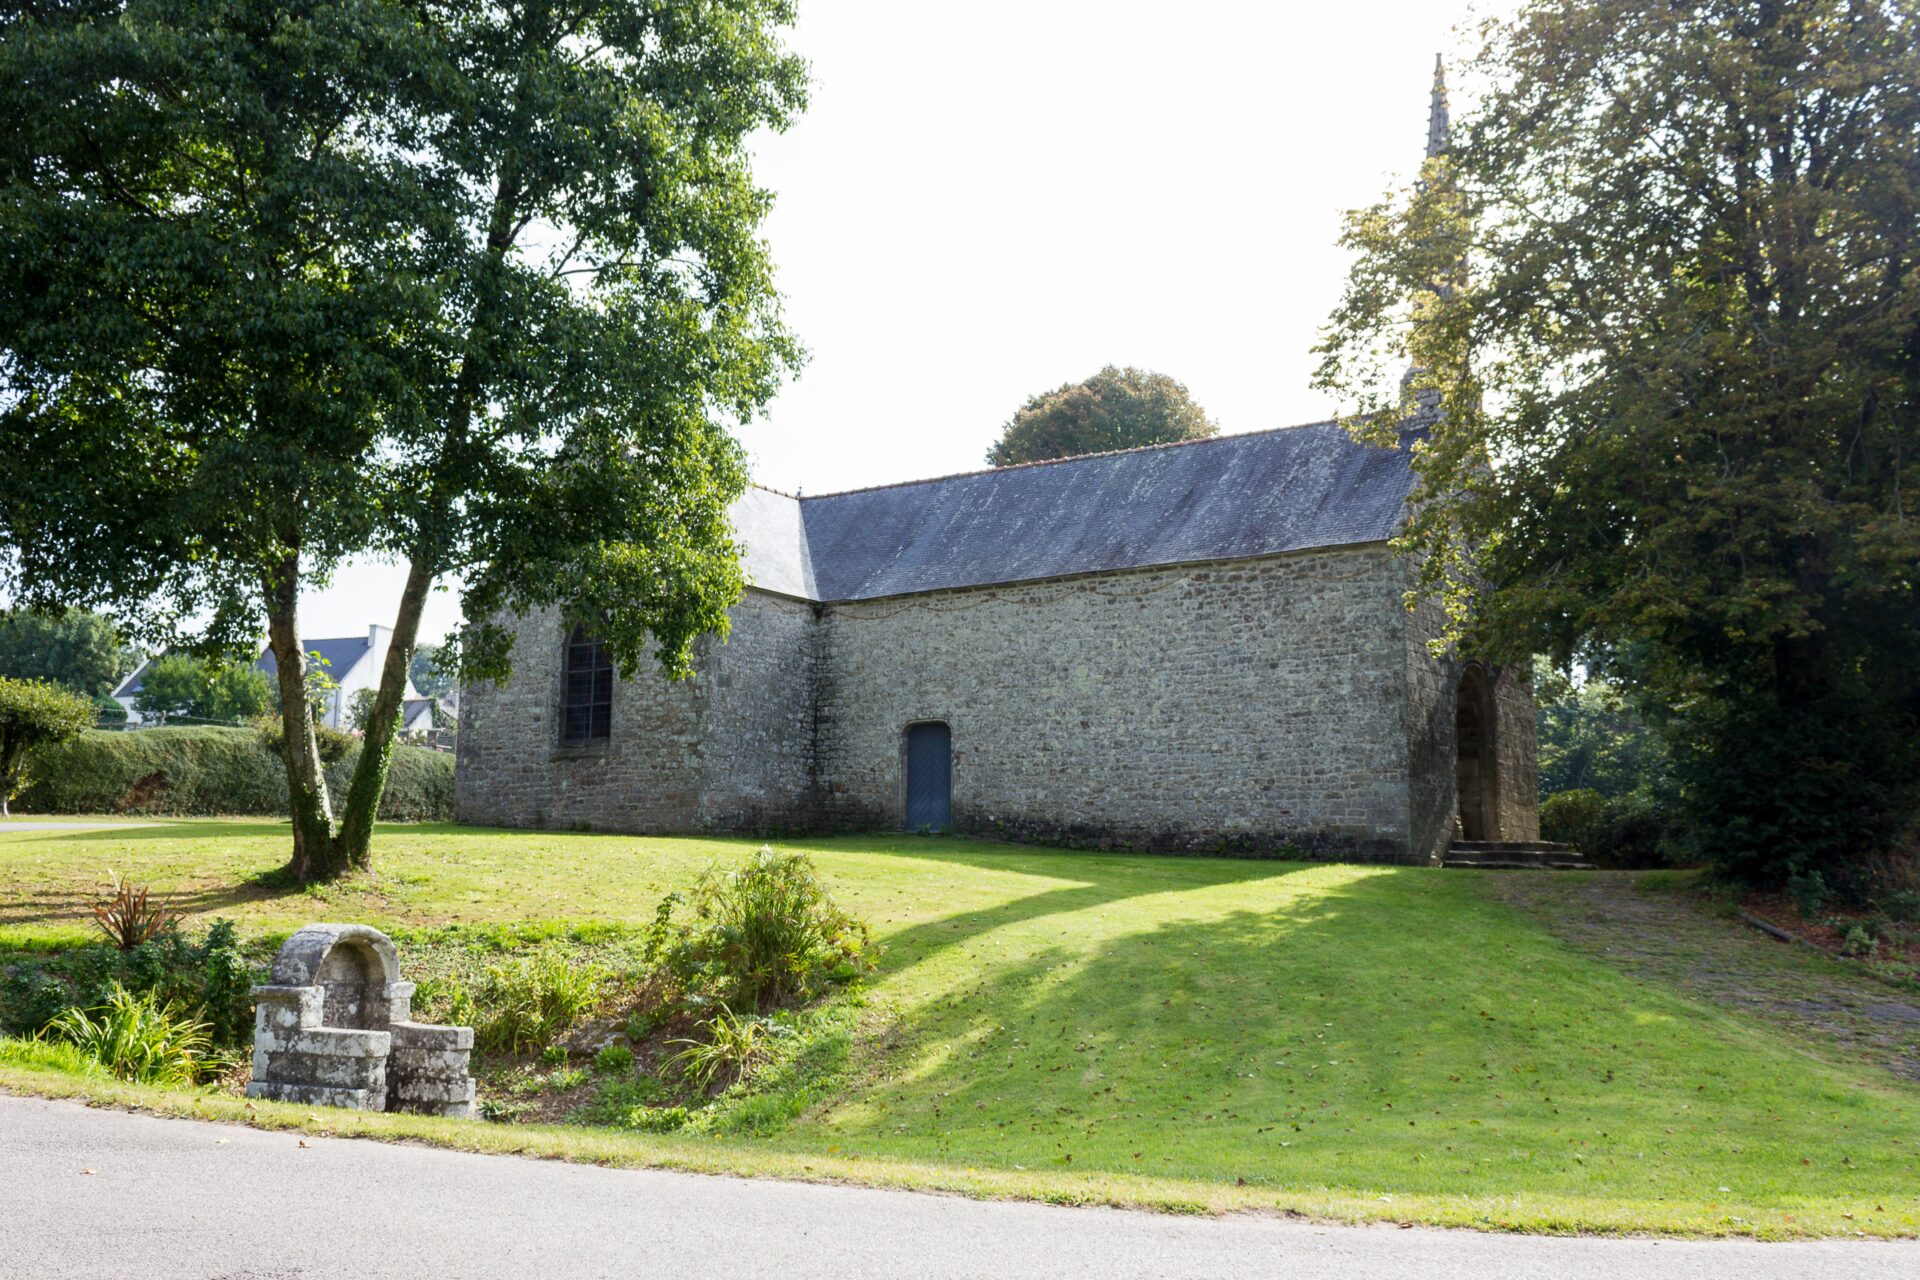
{"x": 987, "y": 201}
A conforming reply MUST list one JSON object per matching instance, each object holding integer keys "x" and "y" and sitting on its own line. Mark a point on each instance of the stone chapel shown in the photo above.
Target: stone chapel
{"x": 1200, "y": 647}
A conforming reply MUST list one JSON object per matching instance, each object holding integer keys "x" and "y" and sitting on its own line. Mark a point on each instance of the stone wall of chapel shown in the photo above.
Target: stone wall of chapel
{"x": 1242, "y": 707}
{"x": 1246, "y": 706}
{"x": 727, "y": 750}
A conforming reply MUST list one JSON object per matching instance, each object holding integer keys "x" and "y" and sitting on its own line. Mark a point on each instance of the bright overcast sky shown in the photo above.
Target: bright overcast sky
{"x": 987, "y": 201}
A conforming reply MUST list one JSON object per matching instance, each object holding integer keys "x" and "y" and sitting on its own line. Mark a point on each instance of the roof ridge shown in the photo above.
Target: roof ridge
{"x": 1054, "y": 462}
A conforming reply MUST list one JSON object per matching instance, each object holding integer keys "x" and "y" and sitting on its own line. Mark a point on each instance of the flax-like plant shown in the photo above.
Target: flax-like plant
{"x": 138, "y": 1038}
{"x": 733, "y": 1042}
{"x": 128, "y": 919}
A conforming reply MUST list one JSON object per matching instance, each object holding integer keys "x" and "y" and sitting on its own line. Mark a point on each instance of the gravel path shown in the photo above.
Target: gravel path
{"x": 1666, "y": 935}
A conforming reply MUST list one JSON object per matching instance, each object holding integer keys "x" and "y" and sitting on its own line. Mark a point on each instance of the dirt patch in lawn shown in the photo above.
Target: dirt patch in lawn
{"x": 1673, "y": 935}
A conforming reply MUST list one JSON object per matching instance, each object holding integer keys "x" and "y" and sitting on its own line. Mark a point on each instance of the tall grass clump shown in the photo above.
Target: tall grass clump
{"x": 138, "y": 1037}
{"x": 528, "y": 1002}
{"x": 768, "y": 934}
{"x": 732, "y": 1045}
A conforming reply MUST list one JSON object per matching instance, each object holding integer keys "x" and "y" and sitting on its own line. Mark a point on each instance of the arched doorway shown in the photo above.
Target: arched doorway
{"x": 1474, "y": 761}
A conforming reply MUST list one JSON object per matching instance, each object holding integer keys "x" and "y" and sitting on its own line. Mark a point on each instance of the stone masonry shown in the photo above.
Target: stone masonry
{"x": 1286, "y": 703}
{"x": 334, "y": 1028}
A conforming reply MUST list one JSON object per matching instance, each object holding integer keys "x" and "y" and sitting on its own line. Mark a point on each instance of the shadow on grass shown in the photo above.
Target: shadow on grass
{"x": 1391, "y": 1029}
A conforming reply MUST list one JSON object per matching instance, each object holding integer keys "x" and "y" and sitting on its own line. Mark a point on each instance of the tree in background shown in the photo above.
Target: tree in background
{"x": 479, "y": 287}
{"x": 1665, "y": 284}
{"x": 33, "y": 712}
{"x": 360, "y": 708}
{"x": 1606, "y": 780}
{"x": 178, "y": 686}
{"x": 73, "y": 647}
{"x": 1114, "y": 409}
{"x": 1590, "y": 738}
{"x": 426, "y": 674}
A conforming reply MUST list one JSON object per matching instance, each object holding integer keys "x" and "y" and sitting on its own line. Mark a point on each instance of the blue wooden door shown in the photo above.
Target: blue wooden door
{"x": 929, "y": 777}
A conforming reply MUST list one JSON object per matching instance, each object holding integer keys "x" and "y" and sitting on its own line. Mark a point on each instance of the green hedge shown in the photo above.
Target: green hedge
{"x": 192, "y": 772}
{"x": 1629, "y": 831}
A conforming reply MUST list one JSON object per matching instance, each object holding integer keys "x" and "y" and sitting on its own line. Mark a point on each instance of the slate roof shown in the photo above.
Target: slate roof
{"x": 341, "y": 655}
{"x": 1228, "y": 498}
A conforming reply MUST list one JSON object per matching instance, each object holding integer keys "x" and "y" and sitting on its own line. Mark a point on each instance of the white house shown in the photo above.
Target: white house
{"x": 352, "y": 663}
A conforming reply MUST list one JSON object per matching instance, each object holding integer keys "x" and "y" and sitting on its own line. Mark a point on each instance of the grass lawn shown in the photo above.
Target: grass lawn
{"x": 1346, "y": 1041}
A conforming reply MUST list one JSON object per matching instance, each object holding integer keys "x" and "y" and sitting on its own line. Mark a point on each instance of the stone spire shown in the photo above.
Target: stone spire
{"x": 1428, "y": 400}
{"x": 1437, "y": 121}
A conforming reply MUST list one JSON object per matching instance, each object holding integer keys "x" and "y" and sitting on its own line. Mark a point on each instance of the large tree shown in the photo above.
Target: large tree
{"x": 1663, "y": 283}
{"x": 477, "y": 288}
{"x": 74, "y": 647}
{"x": 1114, "y": 409}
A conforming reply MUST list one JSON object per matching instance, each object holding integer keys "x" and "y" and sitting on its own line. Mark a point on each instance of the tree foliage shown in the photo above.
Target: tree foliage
{"x": 178, "y": 686}
{"x": 426, "y": 673}
{"x": 33, "y": 712}
{"x": 1590, "y": 738}
{"x": 1663, "y": 285}
{"x": 73, "y": 647}
{"x": 474, "y": 287}
{"x": 1114, "y": 409}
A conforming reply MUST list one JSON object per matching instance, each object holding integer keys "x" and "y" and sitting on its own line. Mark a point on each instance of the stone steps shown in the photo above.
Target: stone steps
{"x": 1514, "y": 855}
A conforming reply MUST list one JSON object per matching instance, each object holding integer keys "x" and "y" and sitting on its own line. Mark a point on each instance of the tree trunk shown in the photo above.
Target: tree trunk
{"x": 314, "y": 856}
{"x": 354, "y": 845}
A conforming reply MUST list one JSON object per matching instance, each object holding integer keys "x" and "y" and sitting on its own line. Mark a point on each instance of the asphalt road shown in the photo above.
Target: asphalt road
{"x": 181, "y": 1198}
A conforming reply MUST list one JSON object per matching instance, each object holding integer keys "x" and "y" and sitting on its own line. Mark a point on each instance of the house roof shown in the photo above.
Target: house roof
{"x": 341, "y": 655}
{"x": 1225, "y": 498}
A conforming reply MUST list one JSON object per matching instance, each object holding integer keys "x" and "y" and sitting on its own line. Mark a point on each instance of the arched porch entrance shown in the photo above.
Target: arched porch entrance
{"x": 1474, "y": 761}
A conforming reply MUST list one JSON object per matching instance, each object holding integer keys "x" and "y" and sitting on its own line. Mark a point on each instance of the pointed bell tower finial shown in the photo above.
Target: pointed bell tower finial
{"x": 1437, "y": 121}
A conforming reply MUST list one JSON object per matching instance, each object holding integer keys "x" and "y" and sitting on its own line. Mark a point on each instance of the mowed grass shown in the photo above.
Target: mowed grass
{"x": 1347, "y": 1041}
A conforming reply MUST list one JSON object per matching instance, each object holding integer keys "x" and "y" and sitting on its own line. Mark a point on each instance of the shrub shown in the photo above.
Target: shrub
{"x": 34, "y": 714}
{"x": 161, "y": 771}
{"x": 1809, "y": 892}
{"x": 527, "y": 1002}
{"x": 212, "y": 977}
{"x": 1633, "y": 830}
{"x": 768, "y": 933}
{"x": 185, "y": 772}
{"x": 334, "y": 744}
{"x": 1567, "y": 817}
{"x": 138, "y": 1037}
{"x": 419, "y": 784}
{"x": 1859, "y": 938}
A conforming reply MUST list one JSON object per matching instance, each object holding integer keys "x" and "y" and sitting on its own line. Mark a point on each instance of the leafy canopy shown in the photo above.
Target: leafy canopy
{"x": 74, "y": 647}
{"x": 1114, "y": 409}
{"x": 476, "y": 288}
{"x": 1663, "y": 285}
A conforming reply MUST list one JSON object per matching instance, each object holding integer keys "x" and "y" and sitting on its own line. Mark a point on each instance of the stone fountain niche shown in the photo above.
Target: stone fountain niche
{"x": 335, "y": 1028}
